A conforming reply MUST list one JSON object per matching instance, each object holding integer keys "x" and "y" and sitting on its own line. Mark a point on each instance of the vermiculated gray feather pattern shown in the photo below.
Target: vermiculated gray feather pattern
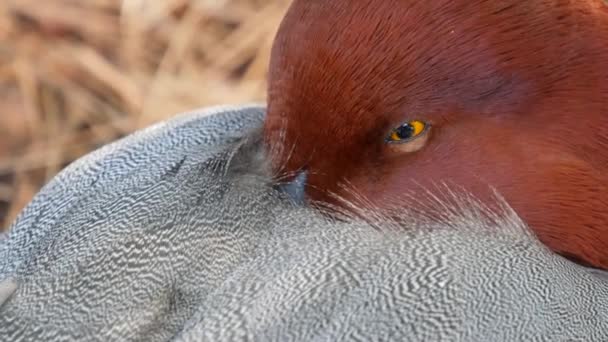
{"x": 175, "y": 233}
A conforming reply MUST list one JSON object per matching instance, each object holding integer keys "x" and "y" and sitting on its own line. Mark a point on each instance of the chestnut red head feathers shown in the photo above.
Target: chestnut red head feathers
{"x": 382, "y": 99}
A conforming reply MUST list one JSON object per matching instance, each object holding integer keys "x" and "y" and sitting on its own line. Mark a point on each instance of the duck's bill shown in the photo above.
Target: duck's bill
{"x": 295, "y": 189}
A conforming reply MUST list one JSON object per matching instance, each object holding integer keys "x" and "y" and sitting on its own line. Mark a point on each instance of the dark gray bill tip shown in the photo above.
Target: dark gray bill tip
{"x": 295, "y": 190}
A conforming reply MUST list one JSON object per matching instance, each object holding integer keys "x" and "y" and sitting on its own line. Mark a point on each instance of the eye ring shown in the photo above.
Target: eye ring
{"x": 407, "y": 132}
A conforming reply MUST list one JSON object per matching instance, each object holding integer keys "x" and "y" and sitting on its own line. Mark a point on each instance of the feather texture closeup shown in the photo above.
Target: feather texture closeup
{"x": 177, "y": 233}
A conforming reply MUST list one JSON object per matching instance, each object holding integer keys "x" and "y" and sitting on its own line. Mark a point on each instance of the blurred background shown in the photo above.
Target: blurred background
{"x": 77, "y": 74}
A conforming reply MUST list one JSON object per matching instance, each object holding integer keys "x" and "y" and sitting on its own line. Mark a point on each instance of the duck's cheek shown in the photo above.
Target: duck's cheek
{"x": 443, "y": 169}
{"x": 419, "y": 185}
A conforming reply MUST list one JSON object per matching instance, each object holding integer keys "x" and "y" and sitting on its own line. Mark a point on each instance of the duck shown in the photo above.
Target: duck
{"x": 180, "y": 232}
{"x": 387, "y": 104}
{"x": 193, "y": 230}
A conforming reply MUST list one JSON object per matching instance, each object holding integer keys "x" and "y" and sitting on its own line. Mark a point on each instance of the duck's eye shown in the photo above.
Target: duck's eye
{"x": 407, "y": 131}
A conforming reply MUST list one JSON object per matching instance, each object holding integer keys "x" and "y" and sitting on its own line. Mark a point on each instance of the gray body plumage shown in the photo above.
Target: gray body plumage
{"x": 175, "y": 233}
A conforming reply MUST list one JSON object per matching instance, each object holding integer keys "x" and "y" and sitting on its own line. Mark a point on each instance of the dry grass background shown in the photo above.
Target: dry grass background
{"x": 77, "y": 74}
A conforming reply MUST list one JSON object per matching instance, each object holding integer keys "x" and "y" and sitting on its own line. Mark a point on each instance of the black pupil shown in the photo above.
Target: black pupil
{"x": 405, "y": 131}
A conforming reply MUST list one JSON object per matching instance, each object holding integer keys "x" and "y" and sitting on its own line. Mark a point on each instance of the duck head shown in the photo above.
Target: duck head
{"x": 378, "y": 101}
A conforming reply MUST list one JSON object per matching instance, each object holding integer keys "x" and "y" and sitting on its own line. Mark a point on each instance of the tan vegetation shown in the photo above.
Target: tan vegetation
{"x": 75, "y": 75}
